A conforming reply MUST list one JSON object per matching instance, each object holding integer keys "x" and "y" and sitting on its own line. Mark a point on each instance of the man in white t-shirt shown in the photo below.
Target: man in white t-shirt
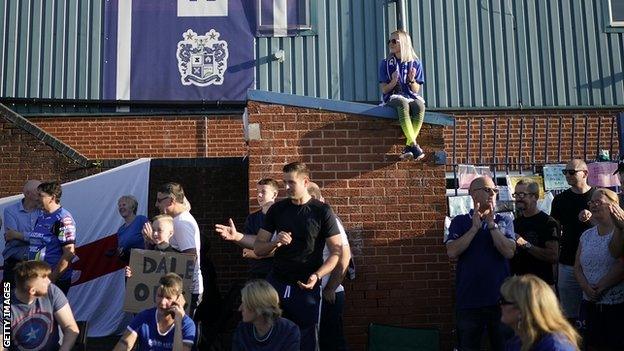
{"x": 331, "y": 333}
{"x": 170, "y": 200}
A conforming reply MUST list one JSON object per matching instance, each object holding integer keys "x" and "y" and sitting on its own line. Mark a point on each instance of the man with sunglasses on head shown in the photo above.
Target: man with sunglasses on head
{"x": 537, "y": 235}
{"x": 570, "y": 209}
{"x": 482, "y": 241}
{"x": 170, "y": 200}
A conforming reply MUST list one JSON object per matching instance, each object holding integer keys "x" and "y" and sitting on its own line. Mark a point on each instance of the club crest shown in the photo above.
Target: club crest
{"x": 202, "y": 59}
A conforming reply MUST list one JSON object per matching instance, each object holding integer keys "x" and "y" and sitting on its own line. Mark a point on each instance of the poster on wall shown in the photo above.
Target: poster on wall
{"x": 600, "y": 174}
{"x": 467, "y": 173}
{"x": 554, "y": 178}
{"x": 513, "y": 180}
{"x": 178, "y": 50}
{"x": 458, "y": 205}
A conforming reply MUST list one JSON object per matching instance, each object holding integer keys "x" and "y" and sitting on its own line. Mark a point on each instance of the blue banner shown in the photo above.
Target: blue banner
{"x": 178, "y": 50}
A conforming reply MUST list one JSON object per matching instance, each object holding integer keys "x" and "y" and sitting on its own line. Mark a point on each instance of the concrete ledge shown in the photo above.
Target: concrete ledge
{"x": 341, "y": 106}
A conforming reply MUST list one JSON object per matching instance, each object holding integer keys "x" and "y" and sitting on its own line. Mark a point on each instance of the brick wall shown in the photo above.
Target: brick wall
{"x": 559, "y": 136}
{"x": 135, "y": 137}
{"x": 393, "y": 211}
{"x": 24, "y": 157}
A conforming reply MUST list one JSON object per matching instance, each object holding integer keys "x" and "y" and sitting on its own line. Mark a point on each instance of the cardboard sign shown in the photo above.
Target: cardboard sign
{"x": 148, "y": 266}
{"x": 600, "y": 174}
{"x": 513, "y": 180}
{"x": 554, "y": 178}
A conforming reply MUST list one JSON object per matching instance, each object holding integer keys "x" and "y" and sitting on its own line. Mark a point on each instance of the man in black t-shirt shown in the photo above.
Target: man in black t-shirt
{"x": 570, "y": 209}
{"x": 537, "y": 235}
{"x": 616, "y": 245}
{"x": 304, "y": 226}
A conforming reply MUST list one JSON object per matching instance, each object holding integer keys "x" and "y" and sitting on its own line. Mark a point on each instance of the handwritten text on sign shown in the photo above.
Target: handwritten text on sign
{"x": 148, "y": 267}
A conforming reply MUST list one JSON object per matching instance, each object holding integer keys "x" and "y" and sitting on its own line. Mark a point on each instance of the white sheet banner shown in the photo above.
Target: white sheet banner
{"x": 98, "y": 285}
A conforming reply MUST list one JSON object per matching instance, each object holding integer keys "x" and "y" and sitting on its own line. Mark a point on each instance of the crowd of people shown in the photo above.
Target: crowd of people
{"x": 566, "y": 288}
{"x": 567, "y": 268}
{"x": 297, "y": 249}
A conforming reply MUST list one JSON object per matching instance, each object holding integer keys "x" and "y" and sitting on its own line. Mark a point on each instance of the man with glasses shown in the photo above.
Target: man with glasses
{"x": 482, "y": 242}
{"x": 537, "y": 235}
{"x": 20, "y": 219}
{"x": 186, "y": 238}
{"x": 570, "y": 209}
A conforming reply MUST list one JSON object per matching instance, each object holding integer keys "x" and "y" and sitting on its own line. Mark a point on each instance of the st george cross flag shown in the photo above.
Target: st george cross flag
{"x": 98, "y": 283}
{"x": 178, "y": 50}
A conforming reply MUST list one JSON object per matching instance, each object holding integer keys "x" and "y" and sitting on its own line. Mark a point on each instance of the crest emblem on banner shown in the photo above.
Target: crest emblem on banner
{"x": 202, "y": 59}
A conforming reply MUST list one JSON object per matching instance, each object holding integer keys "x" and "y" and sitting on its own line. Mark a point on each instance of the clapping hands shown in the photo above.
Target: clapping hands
{"x": 479, "y": 216}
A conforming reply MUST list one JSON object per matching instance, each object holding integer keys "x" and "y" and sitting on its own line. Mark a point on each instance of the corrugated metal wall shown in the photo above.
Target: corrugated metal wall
{"x": 476, "y": 54}
{"x": 51, "y": 48}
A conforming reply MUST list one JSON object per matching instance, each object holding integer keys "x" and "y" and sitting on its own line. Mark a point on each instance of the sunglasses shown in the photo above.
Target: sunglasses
{"x": 392, "y": 41}
{"x": 490, "y": 191}
{"x": 571, "y": 171}
{"x": 503, "y": 302}
{"x": 521, "y": 195}
{"x": 162, "y": 199}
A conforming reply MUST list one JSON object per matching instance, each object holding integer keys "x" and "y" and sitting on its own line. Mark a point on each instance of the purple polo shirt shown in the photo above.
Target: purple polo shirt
{"x": 481, "y": 269}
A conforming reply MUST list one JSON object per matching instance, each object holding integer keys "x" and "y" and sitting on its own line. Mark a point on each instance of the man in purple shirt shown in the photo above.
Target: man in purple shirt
{"x": 482, "y": 241}
{"x": 19, "y": 220}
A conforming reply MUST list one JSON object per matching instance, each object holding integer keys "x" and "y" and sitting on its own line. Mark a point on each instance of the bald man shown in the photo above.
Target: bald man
{"x": 482, "y": 241}
{"x": 571, "y": 210}
{"x": 19, "y": 221}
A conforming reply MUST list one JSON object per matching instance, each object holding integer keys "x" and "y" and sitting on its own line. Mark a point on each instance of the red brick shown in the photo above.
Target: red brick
{"x": 393, "y": 211}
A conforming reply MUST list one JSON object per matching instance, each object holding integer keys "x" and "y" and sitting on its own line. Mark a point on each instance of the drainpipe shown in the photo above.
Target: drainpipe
{"x": 401, "y": 15}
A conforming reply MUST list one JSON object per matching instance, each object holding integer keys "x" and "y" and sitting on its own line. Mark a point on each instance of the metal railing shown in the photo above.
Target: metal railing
{"x": 524, "y": 144}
